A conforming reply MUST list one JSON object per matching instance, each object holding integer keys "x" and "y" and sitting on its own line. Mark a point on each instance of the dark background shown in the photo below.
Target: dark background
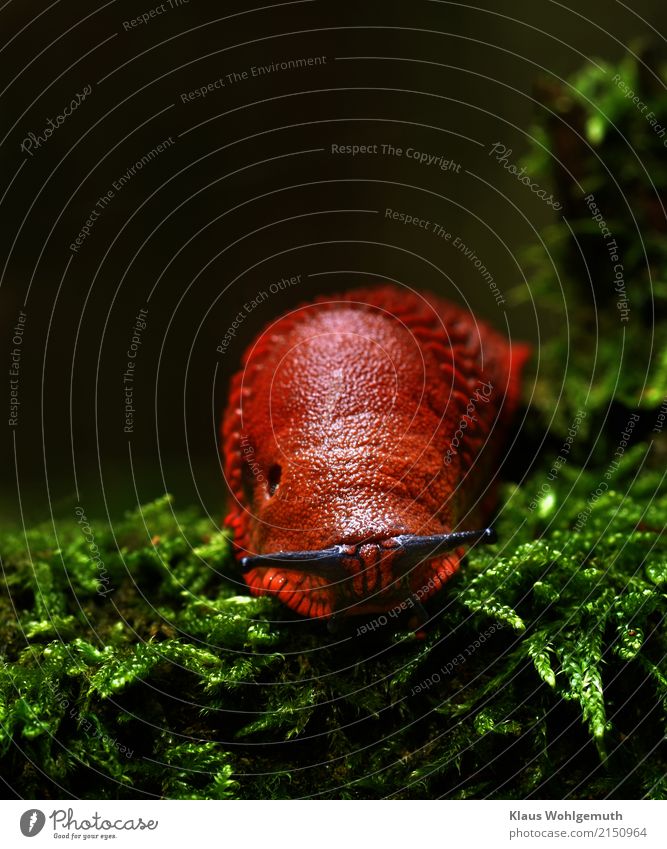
{"x": 249, "y": 194}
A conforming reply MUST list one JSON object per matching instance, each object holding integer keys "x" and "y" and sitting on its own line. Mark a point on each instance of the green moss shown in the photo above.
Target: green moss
{"x": 542, "y": 645}
{"x": 148, "y": 670}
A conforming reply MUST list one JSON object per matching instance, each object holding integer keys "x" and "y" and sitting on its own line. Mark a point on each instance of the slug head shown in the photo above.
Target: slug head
{"x": 348, "y": 580}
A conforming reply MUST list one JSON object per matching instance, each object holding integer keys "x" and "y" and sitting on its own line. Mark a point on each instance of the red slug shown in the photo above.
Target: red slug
{"x": 361, "y": 440}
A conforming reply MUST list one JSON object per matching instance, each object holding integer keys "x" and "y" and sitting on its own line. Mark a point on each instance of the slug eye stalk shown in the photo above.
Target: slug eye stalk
{"x": 405, "y": 551}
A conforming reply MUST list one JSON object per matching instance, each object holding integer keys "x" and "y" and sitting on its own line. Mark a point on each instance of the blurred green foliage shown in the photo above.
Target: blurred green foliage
{"x": 602, "y": 141}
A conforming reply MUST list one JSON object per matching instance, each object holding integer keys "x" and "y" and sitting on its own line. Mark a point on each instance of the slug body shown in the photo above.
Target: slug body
{"x": 359, "y": 426}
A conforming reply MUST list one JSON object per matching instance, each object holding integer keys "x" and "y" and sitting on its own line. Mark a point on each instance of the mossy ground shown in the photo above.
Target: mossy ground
{"x": 544, "y": 673}
{"x": 134, "y": 663}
